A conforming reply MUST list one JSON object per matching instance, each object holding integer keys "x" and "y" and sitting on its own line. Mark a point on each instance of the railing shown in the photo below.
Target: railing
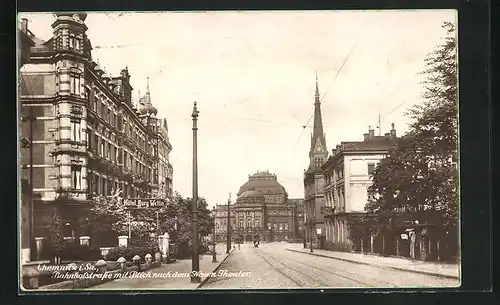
{"x": 327, "y": 211}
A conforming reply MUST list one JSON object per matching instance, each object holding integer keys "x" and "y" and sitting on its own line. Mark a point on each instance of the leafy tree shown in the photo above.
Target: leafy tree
{"x": 56, "y": 236}
{"x": 108, "y": 216}
{"x": 419, "y": 175}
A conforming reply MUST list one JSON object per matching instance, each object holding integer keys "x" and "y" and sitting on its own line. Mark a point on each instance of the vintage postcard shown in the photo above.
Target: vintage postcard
{"x": 238, "y": 150}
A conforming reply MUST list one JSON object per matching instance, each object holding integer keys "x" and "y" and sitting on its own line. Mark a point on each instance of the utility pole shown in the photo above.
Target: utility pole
{"x": 214, "y": 254}
{"x": 195, "y": 278}
{"x": 31, "y": 216}
{"x": 228, "y": 236}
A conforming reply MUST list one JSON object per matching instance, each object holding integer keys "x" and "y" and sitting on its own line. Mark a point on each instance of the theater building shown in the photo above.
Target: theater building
{"x": 262, "y": 212}
{"x": 88, "y": 136}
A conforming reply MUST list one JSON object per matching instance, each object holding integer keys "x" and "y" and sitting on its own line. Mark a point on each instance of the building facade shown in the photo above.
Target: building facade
{"x": 313, "y": 180}
{"x": 262, "y": 212}
{"x": 348, "y": 175}
{"x": 88, "y": 136}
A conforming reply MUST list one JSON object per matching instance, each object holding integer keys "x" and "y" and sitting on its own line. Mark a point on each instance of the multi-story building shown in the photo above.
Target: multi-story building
{"x": 88, "y": 137}
{"x": 313, "y": 179}
{"x": 165, "y": 169}
{"x": 262, "y": 212}
{"x": 347, "y": 175}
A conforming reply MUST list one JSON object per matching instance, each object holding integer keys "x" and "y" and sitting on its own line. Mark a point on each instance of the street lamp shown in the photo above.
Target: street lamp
{"x": 214, "y": 254}
{"x": 228, "y": 236}
{"x": 195, "y": 278}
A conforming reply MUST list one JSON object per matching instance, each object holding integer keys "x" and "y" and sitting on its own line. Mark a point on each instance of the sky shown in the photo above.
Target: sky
{"x": 252, "y": 75}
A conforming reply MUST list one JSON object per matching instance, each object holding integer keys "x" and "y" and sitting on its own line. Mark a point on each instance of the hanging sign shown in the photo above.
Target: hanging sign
{"x": 143, "y": 203}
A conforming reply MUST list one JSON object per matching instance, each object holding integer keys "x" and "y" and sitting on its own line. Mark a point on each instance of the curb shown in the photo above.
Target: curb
{"x": 381, "y": 266}
{"x": 215, "y": 270}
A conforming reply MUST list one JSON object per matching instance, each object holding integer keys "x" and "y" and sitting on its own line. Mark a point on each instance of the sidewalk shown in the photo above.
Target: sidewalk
{"x": 428, "y": 268}
{"x": 182, "y": 266}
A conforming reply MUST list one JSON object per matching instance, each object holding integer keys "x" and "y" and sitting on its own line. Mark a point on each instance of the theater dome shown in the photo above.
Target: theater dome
{"x": 264, "y": 183}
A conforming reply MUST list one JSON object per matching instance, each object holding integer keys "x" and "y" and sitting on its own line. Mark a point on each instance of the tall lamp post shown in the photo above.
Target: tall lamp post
{"x": 311, "y": 241}
{"x": 195, "y": 278}
{"x": 214, "y": 254}
{"x": 228, "y": 236}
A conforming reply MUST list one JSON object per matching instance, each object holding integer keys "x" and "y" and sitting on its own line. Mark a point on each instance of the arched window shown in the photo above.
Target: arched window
{"x": 269, "y": 226}
{"x": 249, "y": 223}
{"x": 257, "y": 223}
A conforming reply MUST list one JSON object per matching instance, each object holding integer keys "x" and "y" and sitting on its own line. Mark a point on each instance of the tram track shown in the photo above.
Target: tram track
{"x": 280, "y": 271}
{"x": 390, "y": 285}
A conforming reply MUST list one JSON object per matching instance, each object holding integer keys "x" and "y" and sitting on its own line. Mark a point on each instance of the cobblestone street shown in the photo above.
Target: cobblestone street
{"x": 272, "y": 266}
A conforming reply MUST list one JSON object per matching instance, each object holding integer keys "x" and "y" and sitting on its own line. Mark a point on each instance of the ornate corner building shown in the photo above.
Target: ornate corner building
{"x": 87, "y": 135}
{"x": 313, "y": 179}
{"x": 262, "y": 212}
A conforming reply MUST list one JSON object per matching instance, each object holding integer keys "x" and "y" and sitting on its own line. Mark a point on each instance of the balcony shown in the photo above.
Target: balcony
{"x": 327, "y": 211}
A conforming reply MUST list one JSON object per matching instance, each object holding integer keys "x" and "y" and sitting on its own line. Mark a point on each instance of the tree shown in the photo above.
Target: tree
{"x": 419, "y": 175}
{"x": 108, "y": 218}
{"x": 175, "y": 219}
{"x": 56, "y": 237}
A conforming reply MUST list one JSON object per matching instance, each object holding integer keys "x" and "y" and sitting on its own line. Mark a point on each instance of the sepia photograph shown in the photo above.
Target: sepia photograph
{"x": 253, "y": 150}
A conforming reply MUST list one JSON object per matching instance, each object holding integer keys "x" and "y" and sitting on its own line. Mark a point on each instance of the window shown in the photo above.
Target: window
{"x": 241, "y": 224}
{"x": 125, "y": 158}
{"x": 269, "y": 226}
{"x": 108, "y": 148}
{"x": 257, "y": 224}
{"x": 249, "y": 223}
{"x": 75, "y": 84}
{"x": 75, "y": 130}
{"x": 89, "y": 137}
{"x": 286, "y": 226}
{"x": 102, "y": 152}
{"x": 71, "y": 41}
{"x": 77, "y": 44}
{"x": 281, "y": 226}
{"x": 275, "y": 226}
{"x": 371, "y": 168}
{"x": 76, "y": 177}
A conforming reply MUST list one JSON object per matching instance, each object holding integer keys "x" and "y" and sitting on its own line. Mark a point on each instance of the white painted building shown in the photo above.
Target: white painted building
{"x": 347, "y": 176}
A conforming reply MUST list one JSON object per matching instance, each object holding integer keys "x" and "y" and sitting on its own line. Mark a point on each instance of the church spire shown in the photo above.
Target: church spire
{"x": 318, "y": 152}
{"x": 317, "y": 89}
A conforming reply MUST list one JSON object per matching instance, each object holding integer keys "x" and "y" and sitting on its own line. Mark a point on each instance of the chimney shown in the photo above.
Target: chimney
{"x": 393, "y": 131}
{"x": 365, "y": 137}
{"x": 371, "y": 133}
{"x": 334, "y": 151}
{"x": 24, "y": 25}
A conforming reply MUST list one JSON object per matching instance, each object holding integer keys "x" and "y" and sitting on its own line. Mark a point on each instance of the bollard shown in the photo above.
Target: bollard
{"x": 137, "y": 262}
{"x": 101, "y": 266}
{"x": 30, "y": 278}
{"x": 123, "y": 263}
{"x": 149, "y": 260}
